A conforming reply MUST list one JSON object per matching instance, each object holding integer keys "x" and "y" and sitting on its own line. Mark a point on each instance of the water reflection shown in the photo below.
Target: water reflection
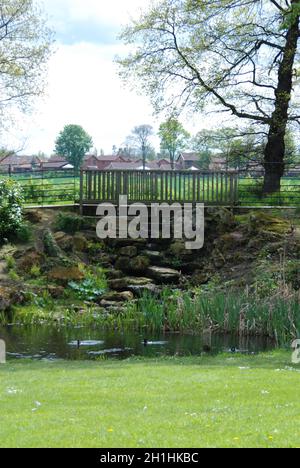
{"x": 79, "y": 343}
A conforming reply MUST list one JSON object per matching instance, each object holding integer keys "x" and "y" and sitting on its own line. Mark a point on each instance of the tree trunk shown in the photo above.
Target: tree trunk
{"x": 275, "y": 149}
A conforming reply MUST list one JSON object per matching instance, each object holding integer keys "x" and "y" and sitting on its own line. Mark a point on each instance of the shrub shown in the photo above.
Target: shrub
{"x": 11, "y": 200}
{"x": 69, "y": 223}
{"x": 24, "y": 233}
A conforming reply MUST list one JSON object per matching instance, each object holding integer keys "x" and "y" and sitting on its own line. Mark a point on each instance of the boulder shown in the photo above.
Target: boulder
{"x": 122, "y": 264}
{"x": 178, "y": 248}
{"x": 80, "y": 243}
{"x": 64, "y": 275}
{"x": 124, "y": 296}
{"x": 10, "y": 294}
{"x": 138, "y": 291}
{"x": 139, "y": 265}
{"x": 5, "y": 299}
{"x": 33, "y": 216}
{"x": 29, "y": 260}
{"x": 122, "y": 284}
{"x": 129, "y": 251}
{"x": 164, "y": 275}
{"x": 64, "y": 241}
{"x": 114, "y": 274}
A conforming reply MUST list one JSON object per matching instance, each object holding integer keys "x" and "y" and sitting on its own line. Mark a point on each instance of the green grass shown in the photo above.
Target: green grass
{"x": 223, "y": 401}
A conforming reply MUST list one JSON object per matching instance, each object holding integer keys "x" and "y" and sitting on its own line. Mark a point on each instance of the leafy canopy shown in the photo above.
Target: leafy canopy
{"x": 73, "y": 143}
{"x": 25, "y": 46}
{"x": 220, "y": 54}
{"x": 173, "y": 137}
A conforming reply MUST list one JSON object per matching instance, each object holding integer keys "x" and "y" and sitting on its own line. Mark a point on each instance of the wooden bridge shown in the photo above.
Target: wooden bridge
{"x": 210, "y": 188}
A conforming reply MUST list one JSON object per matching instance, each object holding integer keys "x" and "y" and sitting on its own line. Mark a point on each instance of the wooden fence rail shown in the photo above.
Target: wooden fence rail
{"x": 211, "y": 188}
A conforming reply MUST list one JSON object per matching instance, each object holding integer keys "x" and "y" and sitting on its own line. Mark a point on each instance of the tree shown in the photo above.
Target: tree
{"x": 73, "y": 143}
{"x": 237, "y": 56}
{"x": 173, "y": 138}
{"x": 140, "y": 138}
{"x": 25, "y": 44}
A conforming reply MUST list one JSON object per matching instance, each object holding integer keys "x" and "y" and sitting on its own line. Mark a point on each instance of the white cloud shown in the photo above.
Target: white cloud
{"x": 84, "y": 89}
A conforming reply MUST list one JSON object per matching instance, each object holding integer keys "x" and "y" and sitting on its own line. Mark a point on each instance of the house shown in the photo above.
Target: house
{"x": 188, "y": 160}
{"x": 56, "y": 163}
{"x": 17, "y": 163}
{"x": 92, "y": 162}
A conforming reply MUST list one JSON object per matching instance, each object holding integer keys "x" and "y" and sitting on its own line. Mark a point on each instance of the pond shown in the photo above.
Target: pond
{"x": 81, "y": 343}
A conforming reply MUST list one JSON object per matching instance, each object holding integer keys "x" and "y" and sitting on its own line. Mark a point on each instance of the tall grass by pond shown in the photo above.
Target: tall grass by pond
{"x": 277, "y": 317}
{"x": 244, "y": 314}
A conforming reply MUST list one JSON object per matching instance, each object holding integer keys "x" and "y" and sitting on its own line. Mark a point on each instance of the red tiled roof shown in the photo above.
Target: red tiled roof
{"x": 189, "y": 157}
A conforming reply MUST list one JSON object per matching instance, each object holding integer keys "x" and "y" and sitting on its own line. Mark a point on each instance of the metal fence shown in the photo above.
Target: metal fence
{"x": 239, "y": 188}
{"x": 46, "y": 188}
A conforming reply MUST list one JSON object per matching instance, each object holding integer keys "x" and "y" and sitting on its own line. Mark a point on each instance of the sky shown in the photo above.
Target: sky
{"x": 83, "y": 84}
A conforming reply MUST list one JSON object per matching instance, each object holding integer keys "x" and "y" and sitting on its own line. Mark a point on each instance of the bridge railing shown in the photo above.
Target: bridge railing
{"x": 211, "y": 188}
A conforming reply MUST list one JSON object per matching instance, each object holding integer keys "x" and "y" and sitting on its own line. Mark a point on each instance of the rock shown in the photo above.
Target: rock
{"x": 136, "y": 265}
{"x": 124, "y": 296}
{"x": 122, "y": 264}
{"x": 139, "y": 265}
{"x": 33, "y": 216}
{"x": 64, "y": 275}
{"x": 129, "y": 251}
{"x": 261, "y": 221}
{"x": 114, "y": 274}
{"x": 218, "y": 258}
{"x": 119, "y": 243}
{"x": 112, "y": 305}
{"x": 164, "y": 275}
{"x": 155, "y": 257}
{"x": 178, "y": 248}
{"x": 29, "y": 260}
{"x": 199, "y": 278}
{"x": 5, "y": 299}
{"x": 80, "y": 243}
{"x": 124, "y": 283}
{"x": 11, "y": 294}
{"x": 64, "y": 241}
{"x": 57, "y": 292}
{"x": 140, "y": 290}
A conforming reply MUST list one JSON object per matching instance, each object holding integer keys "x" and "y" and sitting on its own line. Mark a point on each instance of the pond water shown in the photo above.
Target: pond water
{"x": 80, "y": 343}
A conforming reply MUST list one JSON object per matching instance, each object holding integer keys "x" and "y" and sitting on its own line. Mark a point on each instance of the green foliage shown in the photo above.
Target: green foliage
{"x": 24, "y": 233}
{"x": 10, "y": 262}
{"x": 50, "y": 246}
{"x": 73, "y": 143}
{"x": 92, "y": 287}
{"x": 35, "y": 271}
{"x": 174, "y": 138}
{"x": 69, "y": 223}
{"x": 24, "y": 49}
{"x": 11, "y": 200}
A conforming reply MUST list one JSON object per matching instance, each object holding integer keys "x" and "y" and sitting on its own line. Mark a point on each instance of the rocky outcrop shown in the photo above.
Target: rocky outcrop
{"x": 66, "y": 274}
{"x": 164, "y": 275}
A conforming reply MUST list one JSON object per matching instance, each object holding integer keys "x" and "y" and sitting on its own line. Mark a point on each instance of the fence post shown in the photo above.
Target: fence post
{"x": 81, "y": 192}
{"x": 43, "y": 191}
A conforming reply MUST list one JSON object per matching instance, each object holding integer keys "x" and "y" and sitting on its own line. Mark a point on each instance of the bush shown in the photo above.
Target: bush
{"x": 69, "y": 223}
{"x": 24, "y": 233}
{"x": 11, "y": 200}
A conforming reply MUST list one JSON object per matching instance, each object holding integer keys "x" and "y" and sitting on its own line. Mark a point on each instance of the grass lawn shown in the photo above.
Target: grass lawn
{"x": 223, "y": 401}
